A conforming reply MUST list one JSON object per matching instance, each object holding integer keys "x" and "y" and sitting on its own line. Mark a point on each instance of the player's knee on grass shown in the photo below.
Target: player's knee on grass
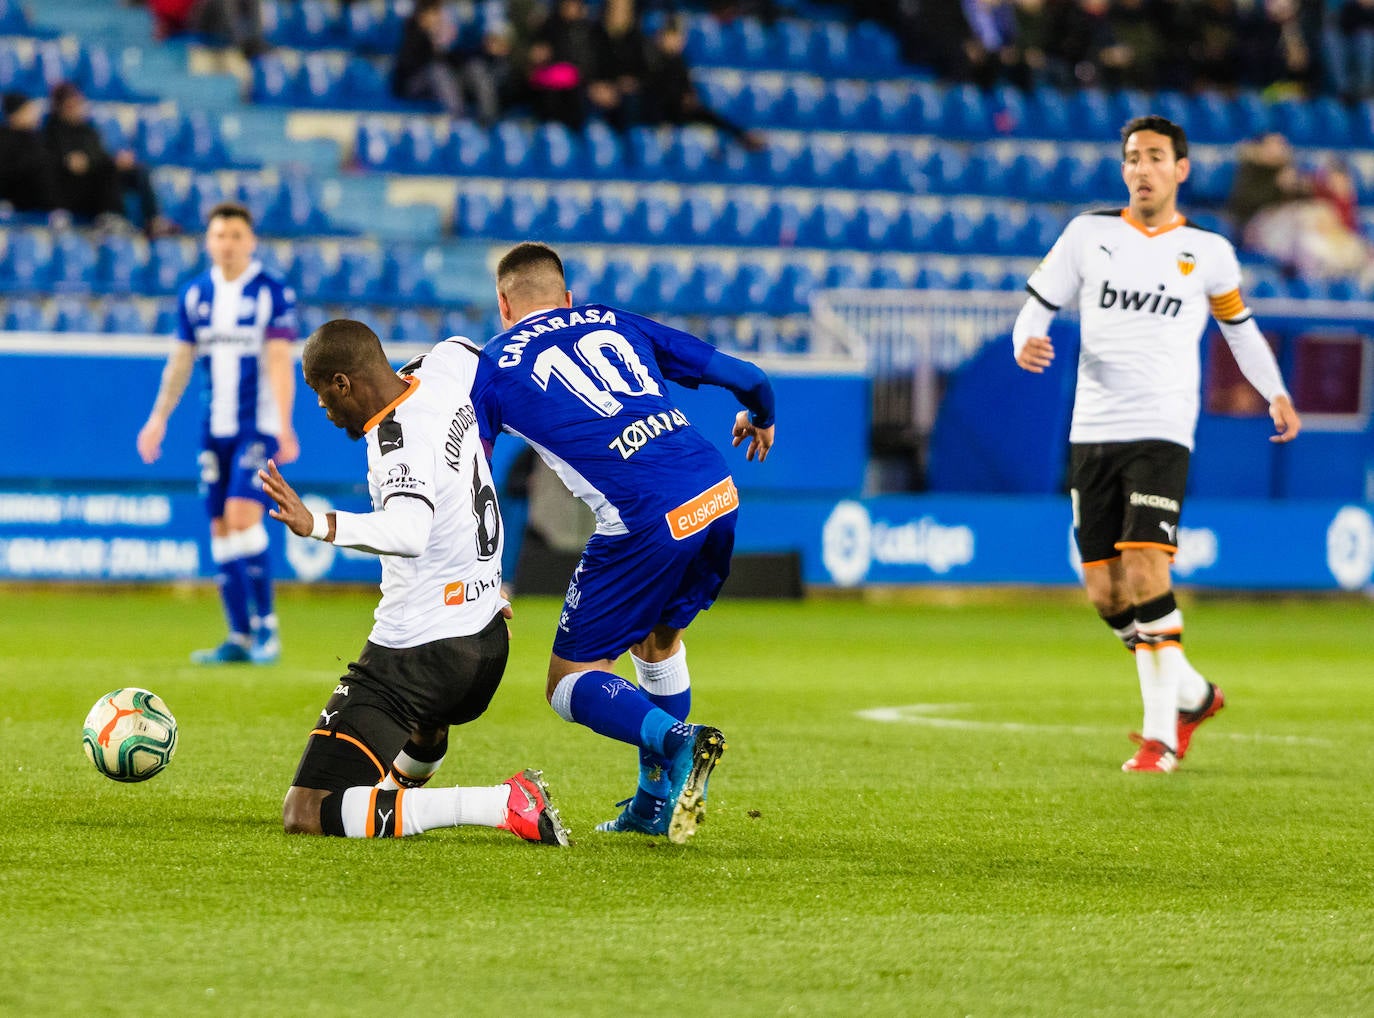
{"x": 300, "y": 812}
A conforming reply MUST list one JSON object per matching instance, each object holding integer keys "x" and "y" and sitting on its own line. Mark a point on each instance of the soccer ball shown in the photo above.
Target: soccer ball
{"x": 130, "y": 734}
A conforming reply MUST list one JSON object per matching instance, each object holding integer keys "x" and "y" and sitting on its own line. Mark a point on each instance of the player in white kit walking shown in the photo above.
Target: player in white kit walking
{"x": 1145, "y": 279}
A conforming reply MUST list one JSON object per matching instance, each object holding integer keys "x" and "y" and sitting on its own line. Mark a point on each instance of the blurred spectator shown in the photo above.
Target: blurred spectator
{"x": 726, "y": 10}
{"x": 671, "y": 98}
{"x": 568, "y": 74}
{"x": 1349, "y": 45}
{"x": 229, "y": 22}
{"x": 1032, "y": 41}
{"x": 1273, "y": 49}
{"x": 90, "y": 181}
{"x": 1084, "y": 40}
{"x": 1281, "y": 214}
{"x": 1135, "y": 24}
{"x": 626, "y": 52}
{"x": 28, "y": 171}
{"x": 429, "y": 65}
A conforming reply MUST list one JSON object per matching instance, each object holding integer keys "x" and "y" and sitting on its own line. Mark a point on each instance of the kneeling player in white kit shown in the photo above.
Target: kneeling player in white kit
{"x": 1145, "y": 279}
{"x": 438, "y": 648}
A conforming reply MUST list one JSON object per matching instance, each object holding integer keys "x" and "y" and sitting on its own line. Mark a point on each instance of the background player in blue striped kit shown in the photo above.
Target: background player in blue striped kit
{"x": 238, "y": 321}
{"x": 586, "y": 387}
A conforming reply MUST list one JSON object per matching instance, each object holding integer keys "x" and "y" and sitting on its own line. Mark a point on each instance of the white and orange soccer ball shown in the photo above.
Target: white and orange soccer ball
{"x": 130, "y": 734}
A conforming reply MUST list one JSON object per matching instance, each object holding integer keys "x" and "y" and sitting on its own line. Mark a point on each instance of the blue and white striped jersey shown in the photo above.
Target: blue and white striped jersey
{"x": 230, "y": 324}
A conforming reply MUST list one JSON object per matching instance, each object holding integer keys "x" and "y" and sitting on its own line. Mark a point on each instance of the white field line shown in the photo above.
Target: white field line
{"x": 930, "y": 716}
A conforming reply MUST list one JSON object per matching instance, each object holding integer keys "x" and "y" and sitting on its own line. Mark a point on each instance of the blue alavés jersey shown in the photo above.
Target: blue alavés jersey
{"x": 230, "y": 324}
{"x": 586, "y": 387}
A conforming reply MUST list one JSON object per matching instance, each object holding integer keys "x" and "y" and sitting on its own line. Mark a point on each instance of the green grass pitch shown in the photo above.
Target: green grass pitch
{"x": 981, "y": 854}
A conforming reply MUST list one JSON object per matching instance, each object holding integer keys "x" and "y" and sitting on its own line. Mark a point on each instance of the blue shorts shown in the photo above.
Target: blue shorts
{"x": 229, "y": 469}
{"x": 627, "y": 584}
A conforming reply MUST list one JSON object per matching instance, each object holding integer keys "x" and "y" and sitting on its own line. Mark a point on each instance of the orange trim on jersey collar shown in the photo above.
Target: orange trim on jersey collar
{"x": 412, "y": 383}
{"x": 1178, "y": 221}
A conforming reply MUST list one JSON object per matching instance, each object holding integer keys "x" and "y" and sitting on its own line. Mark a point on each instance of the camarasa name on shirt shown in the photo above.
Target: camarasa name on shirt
{"x": 514, "y": 346}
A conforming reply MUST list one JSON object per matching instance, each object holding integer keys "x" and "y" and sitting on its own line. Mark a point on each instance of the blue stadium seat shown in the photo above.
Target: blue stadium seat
{"x": 605, "y": 154}
{"x": 565, "y": 216}
{"x": 308, "y": 271}
{"x": 752, "y": 285}
{"x": 95, "y": 71}
{"x": 652, "y": 221}
{"x": 1210, "y": 120}
{"x": 947, "y": 169}
{"x": 843, "y": 274}
{"x": 579, "y": 275}
{"x": 359, "y": 278}
{"x": 803, "y": 105}
{"x": 13, "y": 21}
{"x": 408, "y": 274}
{"x": 119, "y": 267}
{"x": 696, "y": 219}
{"x": 458, "y": 323}
{"x": 411, "y": 327}
{"x": 831, "y": 52}
{"x": 170, "y": 262}
{"x": 691, "y": 156}
{"x": 1089, "y": 115}
{"x": 706, "y": 287}
{"x": 1251, "y": 114}
{"x": 166, "y": 320}
{"x": 913, "y": 230}
{"x": 558, "y": 152}
{"x": 522, "y": 214}
{"x": 875, "y": 51}
{"x": 967, "y": 114}
{"x": 608, "y": 219}
{"x": 124, "y": 317}
{"x": 974, "y": 279}
{"x": 274, "y": 82}
{"x": 648, "y": 153}
{"x": 365, "y": 85}
{"x": 298, "y": 208}
{"x": 25, "y": 315}
{"x": 792, "y": 292}
{"x": 26, "y": 265}
{"x": 760, "y": 104}
{"x": 372, "y": 29}
{"x": 744, "y": 221}
{"x": 820, "y": 163}
{"x": 416, "y": 150}
{"x": 866, "y": 166}
{"x": 618, "y": 285}
{"x": 988, "y": 174}
{"x": 705, "y": 42}
{"x": 320, "y": 82}
{"x": 790, "y": 45}
{"x": 874, "y": 227}
{"x": 111, "y": 130}
{"x": 663, "y": 288}
{"x": 475, "y": 214}
{"x": 931, "y": 277}
{"x": 826, "y": 226}
{"x": 745, "y": 44}
{"x": 71, "y": 314}
{"x": 318, "y": 26}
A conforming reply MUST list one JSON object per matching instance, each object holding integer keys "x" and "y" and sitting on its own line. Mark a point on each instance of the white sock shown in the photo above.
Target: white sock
{"x": 1192, "y": 687}
{"x": 424, "y": 809}
{"x": 664, "y": 678}
{"x": 415, "y": 772}
{"x": 428, "y": 808}
{"x": 1158, "y": 692}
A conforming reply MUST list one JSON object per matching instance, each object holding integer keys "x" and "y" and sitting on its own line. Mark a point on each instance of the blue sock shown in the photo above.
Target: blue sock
{"x": 233, "y": 591}
{"x": 612, "y": 707}
{"x": 259, "y": 572}
{"x": 654, "y": 783}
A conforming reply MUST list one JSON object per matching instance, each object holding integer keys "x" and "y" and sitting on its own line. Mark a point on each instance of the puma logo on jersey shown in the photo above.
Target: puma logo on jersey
{"x": 328, "y": 717}
{"x": 1104, "y": 247}
{"x": 1156, "y": 303}
{"x": 1170, "y": 531}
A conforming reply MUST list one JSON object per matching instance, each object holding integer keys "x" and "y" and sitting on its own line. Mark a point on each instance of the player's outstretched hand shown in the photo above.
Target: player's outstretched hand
{"x": 290, "y": 509}
{"x": 1287, "y": 423}
{"x": 1036, "y": 355}
{"x": 149, "y": 440}
{"x": 760, "y": 439}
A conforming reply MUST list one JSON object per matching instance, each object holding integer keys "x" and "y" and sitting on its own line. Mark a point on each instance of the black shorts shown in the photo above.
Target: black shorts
{"x": 387, "y": 693}
{"x": 1126, "y": 495}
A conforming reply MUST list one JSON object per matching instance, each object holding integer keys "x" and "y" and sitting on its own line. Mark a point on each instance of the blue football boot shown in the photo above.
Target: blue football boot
{"x": 689, "y": 771}
{"x": 266, "y": 648}
{"x": 230, "y": 652}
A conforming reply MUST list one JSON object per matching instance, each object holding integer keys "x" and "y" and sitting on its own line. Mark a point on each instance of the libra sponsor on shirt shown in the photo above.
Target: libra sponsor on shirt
{"x": 463, "y": 591}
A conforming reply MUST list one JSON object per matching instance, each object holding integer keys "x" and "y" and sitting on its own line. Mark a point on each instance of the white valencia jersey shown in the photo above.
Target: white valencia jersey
{"x": 426, "y": 446}
{"x": 1143, "y": 300}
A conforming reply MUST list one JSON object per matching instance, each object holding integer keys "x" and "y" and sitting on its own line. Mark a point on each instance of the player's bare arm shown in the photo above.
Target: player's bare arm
{"x": 1036, "y": 355}
{"x": 290, "y": 509}
{"x": 282, "y": 378}
{"x": 175, "y": 377}
{"x": 1287, "y": 423}
{"x": 760, "y": 439}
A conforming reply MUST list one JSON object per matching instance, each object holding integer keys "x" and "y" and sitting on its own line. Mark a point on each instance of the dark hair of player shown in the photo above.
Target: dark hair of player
{"x": 230, "y": 210}
{"x": 343, "y": 347}
{"x": 1159, "y": 125}
{"x": 528, "y": 255}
